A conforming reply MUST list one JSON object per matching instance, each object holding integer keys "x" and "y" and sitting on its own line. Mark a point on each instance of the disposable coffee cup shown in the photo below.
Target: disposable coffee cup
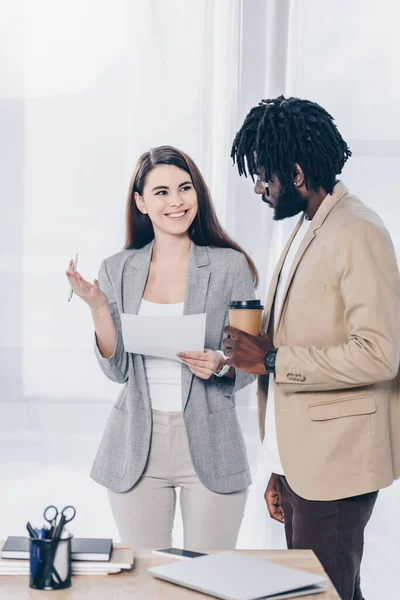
{"x": 246, "y": 315}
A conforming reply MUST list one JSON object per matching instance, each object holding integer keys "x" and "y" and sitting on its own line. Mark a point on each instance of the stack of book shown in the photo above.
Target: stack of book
{"x": 90, "y": 556}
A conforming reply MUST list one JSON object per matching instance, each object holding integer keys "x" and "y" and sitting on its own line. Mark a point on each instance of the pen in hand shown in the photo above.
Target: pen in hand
{"x": 71, "y": 291}
{"x": 90, "y": 293}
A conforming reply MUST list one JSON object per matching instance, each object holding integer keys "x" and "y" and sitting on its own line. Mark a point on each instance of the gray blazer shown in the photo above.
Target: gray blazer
{"x": 215, "y": 277}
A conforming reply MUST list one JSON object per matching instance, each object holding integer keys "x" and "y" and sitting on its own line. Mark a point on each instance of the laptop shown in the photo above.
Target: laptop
{"x": 236, "y": 576}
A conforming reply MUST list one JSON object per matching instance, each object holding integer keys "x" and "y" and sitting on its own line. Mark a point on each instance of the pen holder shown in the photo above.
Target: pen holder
{"x": 50, "y": 563}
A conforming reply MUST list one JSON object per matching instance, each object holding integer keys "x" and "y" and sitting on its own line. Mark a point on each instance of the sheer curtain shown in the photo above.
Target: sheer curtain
{"x": 84, "y": 89}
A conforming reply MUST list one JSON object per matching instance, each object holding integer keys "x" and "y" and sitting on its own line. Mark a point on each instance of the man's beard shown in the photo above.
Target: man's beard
{"x": 289, "y": 204}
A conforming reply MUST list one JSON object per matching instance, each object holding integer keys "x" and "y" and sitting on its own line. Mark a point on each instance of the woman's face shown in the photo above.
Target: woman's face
{"x": 169, "y": 199}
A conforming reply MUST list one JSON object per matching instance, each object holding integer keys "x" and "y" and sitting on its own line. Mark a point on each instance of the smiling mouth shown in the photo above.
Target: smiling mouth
{"x": 177, "y": 215}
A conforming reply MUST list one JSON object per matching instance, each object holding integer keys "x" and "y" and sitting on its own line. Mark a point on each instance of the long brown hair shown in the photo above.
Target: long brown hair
{"x": 205, "y": 230}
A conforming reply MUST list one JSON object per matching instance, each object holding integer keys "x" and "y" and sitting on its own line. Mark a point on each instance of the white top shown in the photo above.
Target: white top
{"x": 163, "y": 374}
{"x": 270, "y": 444}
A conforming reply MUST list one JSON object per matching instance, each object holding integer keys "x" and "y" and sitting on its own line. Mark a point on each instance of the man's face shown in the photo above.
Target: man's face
{"x": 285, "y": 202}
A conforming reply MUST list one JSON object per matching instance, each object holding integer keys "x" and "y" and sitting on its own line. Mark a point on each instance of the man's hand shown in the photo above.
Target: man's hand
{"x": 273, "y": 498}
{"x": 246, "y": 352}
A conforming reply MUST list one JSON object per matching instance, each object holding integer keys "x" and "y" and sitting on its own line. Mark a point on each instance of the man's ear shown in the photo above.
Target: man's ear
{"x": 140, "y": 203}
{"x": 298, "y": 175}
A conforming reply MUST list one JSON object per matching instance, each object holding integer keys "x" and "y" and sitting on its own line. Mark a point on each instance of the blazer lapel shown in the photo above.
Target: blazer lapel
{"x": 134, "y": 283}
{"x": 327, "y": 205}
{"x": 198, "y": 277}
{"x": 135, "y": 279}
{"x": 310, "y": 235}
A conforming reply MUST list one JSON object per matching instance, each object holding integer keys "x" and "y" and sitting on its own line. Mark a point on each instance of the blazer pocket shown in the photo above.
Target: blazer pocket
{"x": 344, "y": 407}
{"x": 121, "y": 399}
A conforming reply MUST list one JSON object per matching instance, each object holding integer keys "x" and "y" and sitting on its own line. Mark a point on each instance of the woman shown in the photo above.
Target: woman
{"x": 173, "y": 425}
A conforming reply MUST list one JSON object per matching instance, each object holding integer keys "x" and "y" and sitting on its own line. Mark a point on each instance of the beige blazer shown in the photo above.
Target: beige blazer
{"x": 337, "y": 399}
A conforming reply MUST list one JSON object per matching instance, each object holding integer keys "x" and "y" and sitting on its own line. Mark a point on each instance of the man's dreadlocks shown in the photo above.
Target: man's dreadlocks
{"x": 282, "y": 131}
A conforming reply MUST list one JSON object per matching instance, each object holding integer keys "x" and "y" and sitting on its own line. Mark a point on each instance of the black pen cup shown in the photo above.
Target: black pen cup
{"x": 50, "y": 563}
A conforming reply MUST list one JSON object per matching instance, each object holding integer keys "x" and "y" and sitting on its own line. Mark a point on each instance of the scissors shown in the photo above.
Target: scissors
{"x": 51, "y": 514}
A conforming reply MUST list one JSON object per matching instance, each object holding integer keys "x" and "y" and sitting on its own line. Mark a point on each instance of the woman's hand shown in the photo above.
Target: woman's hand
{"x": 202, "y": 364}
{"x": 89, "y": 292}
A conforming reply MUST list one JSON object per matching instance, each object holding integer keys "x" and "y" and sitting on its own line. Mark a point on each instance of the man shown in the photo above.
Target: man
{"x": 328, "y": 357}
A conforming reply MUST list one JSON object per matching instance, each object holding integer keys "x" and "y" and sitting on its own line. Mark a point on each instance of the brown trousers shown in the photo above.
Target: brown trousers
{"x": 334, "y": 530}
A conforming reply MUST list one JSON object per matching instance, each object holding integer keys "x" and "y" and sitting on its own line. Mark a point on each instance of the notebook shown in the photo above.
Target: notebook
{"x": 92, "y": 549}
{"x": 235, "y": 576}
{"x": 122, "y": 558}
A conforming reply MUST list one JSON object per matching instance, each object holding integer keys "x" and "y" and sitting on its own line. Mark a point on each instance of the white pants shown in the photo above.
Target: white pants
{"x": 145, "y": 514}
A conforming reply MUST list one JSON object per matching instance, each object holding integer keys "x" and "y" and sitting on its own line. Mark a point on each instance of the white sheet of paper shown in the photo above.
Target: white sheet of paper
{"x": 163, "y": 336}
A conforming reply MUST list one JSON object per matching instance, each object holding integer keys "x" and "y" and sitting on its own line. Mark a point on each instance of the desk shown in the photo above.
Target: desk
{"x": 139, "y": 585}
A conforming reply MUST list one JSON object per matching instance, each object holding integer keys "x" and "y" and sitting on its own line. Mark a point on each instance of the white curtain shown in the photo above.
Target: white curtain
{"x": 85, "y": 87}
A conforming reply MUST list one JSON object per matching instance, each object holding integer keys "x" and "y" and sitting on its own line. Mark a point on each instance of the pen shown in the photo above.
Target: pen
{"x": 71, "y": 291}
{"x": 35, "y": 557}
{"x": 31, "y": 531}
